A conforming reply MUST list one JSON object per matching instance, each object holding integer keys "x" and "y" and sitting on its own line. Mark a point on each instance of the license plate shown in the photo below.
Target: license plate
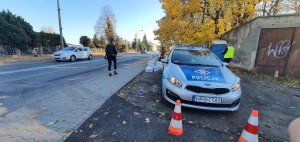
{"x": 211, "y": 100}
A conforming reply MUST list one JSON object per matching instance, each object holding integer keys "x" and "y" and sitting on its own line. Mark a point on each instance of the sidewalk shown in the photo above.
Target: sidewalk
{"x": 55, "y": 118}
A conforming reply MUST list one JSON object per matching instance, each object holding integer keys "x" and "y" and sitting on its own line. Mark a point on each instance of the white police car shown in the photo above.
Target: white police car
{"x": 200, "y": 80}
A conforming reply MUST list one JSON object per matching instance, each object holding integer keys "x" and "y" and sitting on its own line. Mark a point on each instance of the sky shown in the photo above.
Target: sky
{"x": 79, "y": 16}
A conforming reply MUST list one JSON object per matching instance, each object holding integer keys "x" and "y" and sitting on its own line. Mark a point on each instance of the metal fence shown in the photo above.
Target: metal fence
{"x": 7, "y": 50}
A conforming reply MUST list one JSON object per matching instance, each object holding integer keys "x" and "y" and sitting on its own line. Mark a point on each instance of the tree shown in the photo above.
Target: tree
{"x": 139, "y": 45}
{"x": 102, "y": 42}
{"x": 109, "y": 31}
{"x": 194, "y": 22}
{"x": 145, "y": 43}
{"x": 85, "y": 41}
{"x": 277, "y": 7}
{"x": 50, "y": 40}
{"x": 48, "y": 29}
{"x": 269, "y": 7}
{"x": 134, "y": 43}
{"x": 16, "y": 32}
{"x": 106, "y": 22}
{"x": 96, "y": 42}
{"x": 124, "y": 48}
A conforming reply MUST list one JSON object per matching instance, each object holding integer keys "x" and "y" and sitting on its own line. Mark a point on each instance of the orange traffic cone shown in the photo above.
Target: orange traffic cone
{"x": 175, "y": 127}
{"x": 250, "y": 132}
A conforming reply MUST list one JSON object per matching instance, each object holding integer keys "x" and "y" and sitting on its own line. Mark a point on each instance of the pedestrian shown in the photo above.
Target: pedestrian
{"x": 228, "y": 53}
{"x": 111, "y": 55}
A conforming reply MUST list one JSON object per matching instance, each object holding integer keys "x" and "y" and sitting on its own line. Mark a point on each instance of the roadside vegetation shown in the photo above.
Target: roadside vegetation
{"x": 286, "y": 81}
{"x": 17, "y": 34}
{"x": 15, "y": 58}
{"x": 105, "y": 30}
{"x": 194, "y": 22}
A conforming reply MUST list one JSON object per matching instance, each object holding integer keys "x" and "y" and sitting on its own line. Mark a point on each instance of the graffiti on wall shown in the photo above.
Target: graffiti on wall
{"x": 280, "y": 50}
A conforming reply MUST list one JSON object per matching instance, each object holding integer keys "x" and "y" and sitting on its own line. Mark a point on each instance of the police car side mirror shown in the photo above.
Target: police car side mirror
{"x": 225, "y": 64}
{"x": 164, "y": 60}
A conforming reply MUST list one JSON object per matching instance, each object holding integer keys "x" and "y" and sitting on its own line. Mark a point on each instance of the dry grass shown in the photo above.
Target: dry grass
{"x": 98, "y": 54}
{"x": 14, "y": 58}
{"x": 288, "y": 81}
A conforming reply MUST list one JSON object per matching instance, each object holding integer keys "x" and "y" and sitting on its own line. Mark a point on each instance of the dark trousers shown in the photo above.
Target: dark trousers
{"x": 227, "y": 60}
{"x": 109, "y": 59}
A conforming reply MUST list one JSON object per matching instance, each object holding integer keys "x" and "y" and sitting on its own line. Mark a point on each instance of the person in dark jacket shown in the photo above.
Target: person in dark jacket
{"x": 111, "y": 55}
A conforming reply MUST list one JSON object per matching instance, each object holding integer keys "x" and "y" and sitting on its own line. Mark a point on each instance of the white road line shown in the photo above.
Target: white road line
{"x": 45, "y": 67}
{"x": 53, "y": 66}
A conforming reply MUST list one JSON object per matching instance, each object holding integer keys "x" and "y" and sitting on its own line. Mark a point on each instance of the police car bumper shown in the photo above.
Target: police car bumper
{"x": 206, "y": 101}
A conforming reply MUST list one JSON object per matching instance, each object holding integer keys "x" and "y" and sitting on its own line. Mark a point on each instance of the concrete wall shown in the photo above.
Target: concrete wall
{"x": 246, "y": 37}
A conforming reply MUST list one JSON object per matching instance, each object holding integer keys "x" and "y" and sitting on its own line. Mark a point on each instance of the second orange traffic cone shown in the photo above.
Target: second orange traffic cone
{"x": 250, "y": 132}
{"x": 175, "y": 127}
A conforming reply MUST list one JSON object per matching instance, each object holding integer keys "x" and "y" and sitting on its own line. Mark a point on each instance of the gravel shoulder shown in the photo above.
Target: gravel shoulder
{"x": 137, "y": 112}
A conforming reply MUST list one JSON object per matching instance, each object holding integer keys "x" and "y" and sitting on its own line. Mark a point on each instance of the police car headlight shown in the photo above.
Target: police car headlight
{"x": 236, "y": 86}
{"x": 174, "y": 81}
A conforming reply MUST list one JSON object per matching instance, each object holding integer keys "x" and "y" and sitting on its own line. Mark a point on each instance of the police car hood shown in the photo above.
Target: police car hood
{"x": 215, "y": 76}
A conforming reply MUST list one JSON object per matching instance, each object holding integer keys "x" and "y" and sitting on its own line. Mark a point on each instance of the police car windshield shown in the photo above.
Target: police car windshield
{"x": 194, "y": 58}
{"x": 68, "y": 49}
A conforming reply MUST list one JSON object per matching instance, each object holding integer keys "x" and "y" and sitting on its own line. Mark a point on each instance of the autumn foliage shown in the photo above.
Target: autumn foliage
{"x": 201, "y": 21}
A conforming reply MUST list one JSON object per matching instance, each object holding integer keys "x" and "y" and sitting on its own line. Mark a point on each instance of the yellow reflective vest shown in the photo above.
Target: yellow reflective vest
{"x": 230, "y": 52}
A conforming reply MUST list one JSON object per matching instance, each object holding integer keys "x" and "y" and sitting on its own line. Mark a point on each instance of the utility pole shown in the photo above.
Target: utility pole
{"x": 60, "y": 28}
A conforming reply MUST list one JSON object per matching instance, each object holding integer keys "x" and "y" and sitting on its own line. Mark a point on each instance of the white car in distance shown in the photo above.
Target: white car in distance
{"x": 73, "y": 53}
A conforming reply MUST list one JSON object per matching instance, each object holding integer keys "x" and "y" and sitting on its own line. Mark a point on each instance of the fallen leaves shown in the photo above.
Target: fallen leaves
{"x": 147, "y": 120}
{"x": 93, "y": 136}
{"x": 161, "y": 114}
{"x": 136, "y": 113}
{"x": 91, "y": 126}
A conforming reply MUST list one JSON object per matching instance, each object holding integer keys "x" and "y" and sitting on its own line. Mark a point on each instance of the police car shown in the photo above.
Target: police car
{"x": 200, "y": 80}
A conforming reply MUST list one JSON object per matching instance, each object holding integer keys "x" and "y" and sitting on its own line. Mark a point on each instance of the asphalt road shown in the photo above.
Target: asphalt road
{"x": 19, "y": 80}
{"x": 45, "y": 101}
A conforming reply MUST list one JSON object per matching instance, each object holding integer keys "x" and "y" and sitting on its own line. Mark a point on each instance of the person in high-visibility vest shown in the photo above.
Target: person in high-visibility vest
{"x": 228, "y": 53}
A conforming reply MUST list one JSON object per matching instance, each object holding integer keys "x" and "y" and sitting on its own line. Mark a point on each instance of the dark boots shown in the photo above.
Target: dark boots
{"x": 115, "y": 73}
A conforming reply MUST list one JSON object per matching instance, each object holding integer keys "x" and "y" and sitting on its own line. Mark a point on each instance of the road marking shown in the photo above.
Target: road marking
{"x": 56, "y": 66}
{"x": 45, "y": 67}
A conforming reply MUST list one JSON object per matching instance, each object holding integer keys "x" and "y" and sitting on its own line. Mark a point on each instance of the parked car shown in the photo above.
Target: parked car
{"x": 73, "y": 54}
{"x": 200, "y": 80}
